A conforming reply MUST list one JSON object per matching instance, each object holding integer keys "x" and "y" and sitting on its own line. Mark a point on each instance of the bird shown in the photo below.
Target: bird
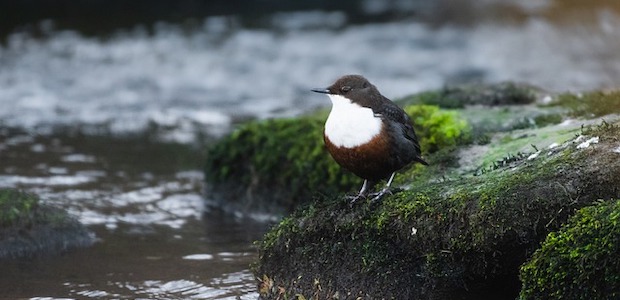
{"x": 368, "y": 134}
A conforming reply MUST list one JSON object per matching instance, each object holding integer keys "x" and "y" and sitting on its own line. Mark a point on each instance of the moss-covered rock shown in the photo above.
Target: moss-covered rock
{"x": 581, "y": 261}
{"x": 16, "y": 208}
{"x": 29, "y": 228}
{"x": 591, "y": 104}
{"x": 506, "y": 93}
{"x": 275, "y": 165}
{"x": 247, "y": 170}
{"x": 456, "y": 238}
{"x": 496, "y": 186}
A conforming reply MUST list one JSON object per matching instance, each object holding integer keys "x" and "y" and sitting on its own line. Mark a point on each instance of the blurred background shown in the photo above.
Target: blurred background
{"x": 127, "y": 64}
{"x": 106, "y": 107}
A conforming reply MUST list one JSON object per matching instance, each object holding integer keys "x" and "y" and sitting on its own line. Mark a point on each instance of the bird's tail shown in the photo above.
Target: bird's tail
{"x": 421, "y": 160}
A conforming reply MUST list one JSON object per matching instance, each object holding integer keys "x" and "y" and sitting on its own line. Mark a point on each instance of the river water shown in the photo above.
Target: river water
{"x": 144, "y": 202}
{"x": 113, "y": 128}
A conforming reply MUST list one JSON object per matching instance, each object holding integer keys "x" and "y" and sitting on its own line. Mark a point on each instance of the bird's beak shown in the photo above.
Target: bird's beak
{"x": 322, "y": 91}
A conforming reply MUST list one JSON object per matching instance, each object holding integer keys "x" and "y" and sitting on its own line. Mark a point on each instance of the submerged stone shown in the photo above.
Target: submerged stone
{"x": 29, "y": 228}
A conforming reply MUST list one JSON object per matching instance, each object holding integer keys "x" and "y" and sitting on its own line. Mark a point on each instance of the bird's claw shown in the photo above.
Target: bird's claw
{"x": 378, "y": 195}
{"x": 374, "y": 197}
{"x": 353, "y": 199}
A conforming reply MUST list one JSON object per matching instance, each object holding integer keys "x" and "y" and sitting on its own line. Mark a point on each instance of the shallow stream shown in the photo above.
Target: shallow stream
{"x": 114, "y": 128}
{"x": 154, "y": 240}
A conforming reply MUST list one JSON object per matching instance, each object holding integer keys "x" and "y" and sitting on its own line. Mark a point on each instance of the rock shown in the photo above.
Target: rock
{"x": 461, "y": 238}
{"x": 247, "y": 170}
{"x": 460, "y": 96}
{"x": 28, "y": 228}
{"x": 497, "y": 185}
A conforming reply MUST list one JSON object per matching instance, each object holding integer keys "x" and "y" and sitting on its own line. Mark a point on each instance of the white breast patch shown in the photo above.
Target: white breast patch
{"x": 350, "y": 125}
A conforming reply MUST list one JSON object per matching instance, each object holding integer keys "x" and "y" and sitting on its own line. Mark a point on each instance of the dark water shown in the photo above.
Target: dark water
{"x": 204, "y": 259}
{"x": 112, "y": 127}
{"x": 145, "y": 205}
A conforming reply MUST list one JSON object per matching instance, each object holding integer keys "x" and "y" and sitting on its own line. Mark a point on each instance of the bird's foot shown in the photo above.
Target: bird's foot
{"x": 374, "y": 197}
{"x": 354, "y": 198}
{"x": 378, "y": 195}
{"x": 386, "y": 191}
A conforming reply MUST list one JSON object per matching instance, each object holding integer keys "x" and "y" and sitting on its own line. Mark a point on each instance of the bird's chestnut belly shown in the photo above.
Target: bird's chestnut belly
{"x": 373, "y": 160}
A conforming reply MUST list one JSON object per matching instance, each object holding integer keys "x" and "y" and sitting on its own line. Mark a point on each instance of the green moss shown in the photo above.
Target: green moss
{"x": 29, "y": 228}
{"x": 19, "y": 210}
{"x": 548, "y": 119}
{"x": 280, "y": 152}
{"x": 581, "y": 261}
{"x": 593, "y": 104}
{"x": 437, "y": 128}
{"x": 16, "y": 208}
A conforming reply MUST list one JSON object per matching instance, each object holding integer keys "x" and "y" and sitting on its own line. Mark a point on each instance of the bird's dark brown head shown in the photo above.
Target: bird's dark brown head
{"x": 349, "y": 86}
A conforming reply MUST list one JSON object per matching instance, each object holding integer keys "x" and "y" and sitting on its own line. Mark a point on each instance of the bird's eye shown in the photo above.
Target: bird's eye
{"x": 345, "y": 88}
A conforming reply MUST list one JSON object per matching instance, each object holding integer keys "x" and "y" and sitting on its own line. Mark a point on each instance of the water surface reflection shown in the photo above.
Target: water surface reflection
{"x": 205, "y": 259}
{"x": 145, "y": 204}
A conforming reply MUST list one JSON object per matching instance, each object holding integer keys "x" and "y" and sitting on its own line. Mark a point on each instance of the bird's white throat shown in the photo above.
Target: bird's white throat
{"x": 349, "y": 124}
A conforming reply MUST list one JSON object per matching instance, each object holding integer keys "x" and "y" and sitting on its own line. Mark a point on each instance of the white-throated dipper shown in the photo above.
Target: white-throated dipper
{"x": 368, "y": 134}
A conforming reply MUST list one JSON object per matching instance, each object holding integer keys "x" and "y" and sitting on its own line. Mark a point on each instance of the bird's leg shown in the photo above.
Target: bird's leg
{"x": 363, "y": 189}
{"x": 385, "y": 190}
{"x": 361, "y": 194}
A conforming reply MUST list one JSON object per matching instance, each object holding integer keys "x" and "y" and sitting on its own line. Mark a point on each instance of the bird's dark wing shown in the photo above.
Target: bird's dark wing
{"x": 393, "y": 112}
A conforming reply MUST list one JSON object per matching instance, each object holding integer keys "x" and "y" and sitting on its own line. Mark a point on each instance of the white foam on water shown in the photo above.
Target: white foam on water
{"x": 203, "y": 79}
{"x": 55, "y": 180}
{"x": 77, "y": 157}
{"x": 201, "y": 256}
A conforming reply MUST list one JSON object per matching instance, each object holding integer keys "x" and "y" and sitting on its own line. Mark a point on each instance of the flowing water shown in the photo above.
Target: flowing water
{"x": 113, "y": 128}
{"x": 154, "y": 238}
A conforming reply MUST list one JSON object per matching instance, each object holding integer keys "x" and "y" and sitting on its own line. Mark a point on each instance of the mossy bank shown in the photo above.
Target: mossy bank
{"x": 507, "y": 168}
{"x": 29, "y": 228}
{"x": 462, "y": 238}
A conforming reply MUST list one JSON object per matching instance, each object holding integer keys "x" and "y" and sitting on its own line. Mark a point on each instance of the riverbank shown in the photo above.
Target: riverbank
{"x": 462, "y": 228}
